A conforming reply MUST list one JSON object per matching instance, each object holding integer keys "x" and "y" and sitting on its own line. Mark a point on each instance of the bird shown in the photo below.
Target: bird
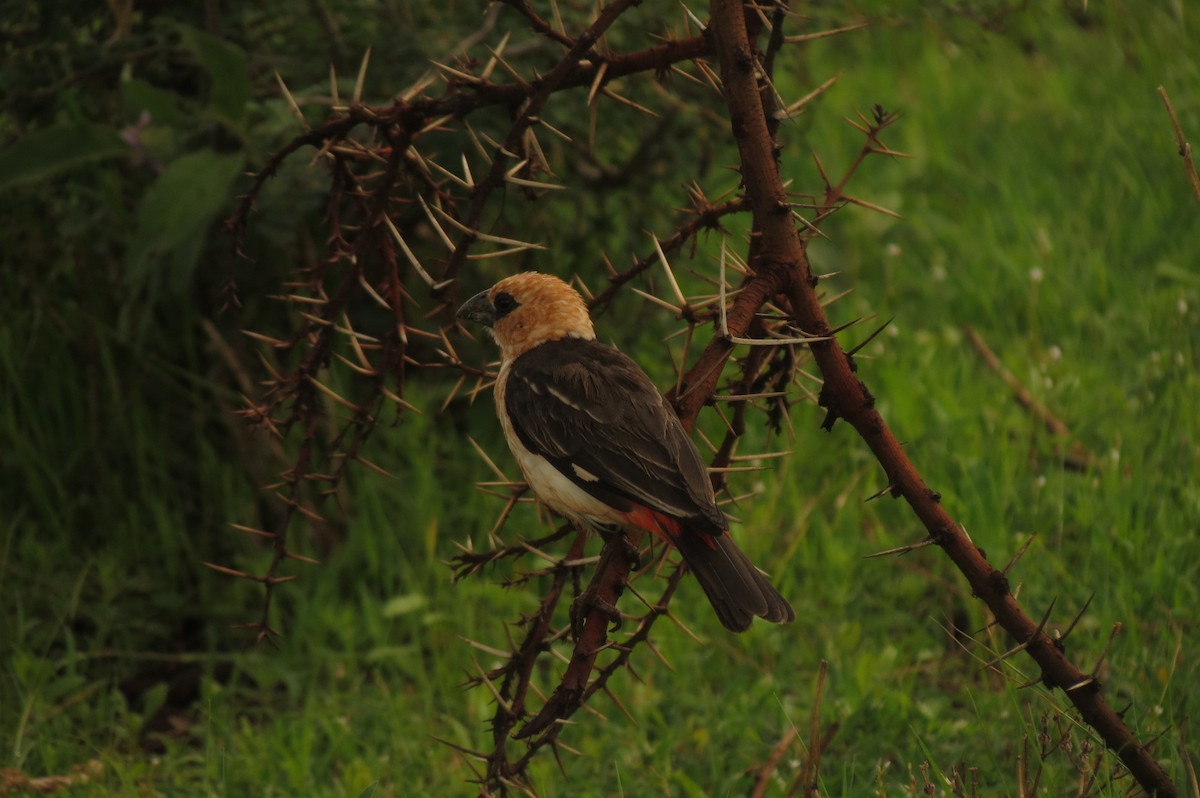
{"x": 599, "y": 444}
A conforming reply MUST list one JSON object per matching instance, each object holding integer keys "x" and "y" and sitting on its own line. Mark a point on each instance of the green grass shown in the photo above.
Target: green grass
{"x": 1045, "y": 206}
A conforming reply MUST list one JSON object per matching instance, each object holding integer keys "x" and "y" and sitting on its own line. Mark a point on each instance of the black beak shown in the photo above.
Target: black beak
{"x": 478, "y": 309}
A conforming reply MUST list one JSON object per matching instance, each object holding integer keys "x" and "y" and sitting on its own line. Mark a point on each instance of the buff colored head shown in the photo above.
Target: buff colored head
{"x": 528, "y": 309}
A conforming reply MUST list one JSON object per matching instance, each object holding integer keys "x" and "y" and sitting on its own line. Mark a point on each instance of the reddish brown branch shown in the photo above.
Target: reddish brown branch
{"x": 518, "y": 672}
{"x": 526, "y": 116}
{"x": 1079, "y": 457}
{"x": 639, "y": 636}
{"x": 1185, "y": 149}
{"x": 301, "y": 392}
{"x": 462, "y": 100}
{"x": 846, "y": 397}
{"x": 700, "y": 382}
{"x": 707, "y": 217}
{"x": 539, "y": 25}
{"x": 599, "y": 608}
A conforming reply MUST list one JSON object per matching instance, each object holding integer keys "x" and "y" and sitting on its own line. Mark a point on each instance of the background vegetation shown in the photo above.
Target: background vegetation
{"x": 1044, "y": 206}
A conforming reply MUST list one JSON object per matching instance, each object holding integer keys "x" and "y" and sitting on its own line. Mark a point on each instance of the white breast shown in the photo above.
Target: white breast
{"x": 549, "y": 484}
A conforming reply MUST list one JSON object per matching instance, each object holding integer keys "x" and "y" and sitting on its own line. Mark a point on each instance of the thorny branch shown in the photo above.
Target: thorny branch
{"x": 846, "y": 397}
{"x": 402, "y": 223}
{"x": 380, "y": 183}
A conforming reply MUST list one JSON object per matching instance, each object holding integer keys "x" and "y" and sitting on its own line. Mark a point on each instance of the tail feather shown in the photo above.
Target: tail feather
{"x": 736, "y": 589}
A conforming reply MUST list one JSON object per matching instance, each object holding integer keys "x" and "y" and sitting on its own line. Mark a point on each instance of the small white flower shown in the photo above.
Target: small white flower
{"x": 1036, "y": 275}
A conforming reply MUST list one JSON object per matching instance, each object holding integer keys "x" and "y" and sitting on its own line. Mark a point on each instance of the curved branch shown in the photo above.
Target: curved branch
{"x": 707, "y": 217}
{"x": 846, "y": 397}
{"x": 526, "y": 117}
{"x": 462, "y": 99}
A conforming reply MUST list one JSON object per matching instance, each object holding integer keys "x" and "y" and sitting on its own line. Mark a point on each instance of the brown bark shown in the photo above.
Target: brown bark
{"x": 846, "y": 397}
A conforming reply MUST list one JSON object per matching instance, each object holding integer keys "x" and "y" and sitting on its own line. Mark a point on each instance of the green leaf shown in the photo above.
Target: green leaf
{"x": 1175, "y": 272}
{"x": 174, "y": 217}
{"x": 163, "y": 106}
{"x": 227, "y": 65}
{"x": 690, "y": 787}
{"x": 55, "y": 149}
{"x": 402, "y": 605}
{"x": 154, "y": 699}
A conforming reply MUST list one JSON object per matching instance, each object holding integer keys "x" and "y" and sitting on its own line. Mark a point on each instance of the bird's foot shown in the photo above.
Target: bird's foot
{"x": 615, "y": 535}
{"x": 584, "y": 604}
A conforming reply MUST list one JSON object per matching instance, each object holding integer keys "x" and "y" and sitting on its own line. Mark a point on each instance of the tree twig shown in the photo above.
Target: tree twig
{"x": 1185, "y": 149}
{"x": 1079, "y": 457}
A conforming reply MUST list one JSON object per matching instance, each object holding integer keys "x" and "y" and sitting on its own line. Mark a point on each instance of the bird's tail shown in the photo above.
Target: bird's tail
{"x": 737, "y": 590}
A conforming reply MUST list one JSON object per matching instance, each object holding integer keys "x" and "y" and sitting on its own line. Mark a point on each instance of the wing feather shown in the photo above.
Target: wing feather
{"x": 595, "y": 415}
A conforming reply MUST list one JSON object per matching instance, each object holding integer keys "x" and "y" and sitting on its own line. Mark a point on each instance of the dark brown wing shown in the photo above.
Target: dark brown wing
{"x": 590, "y": 411}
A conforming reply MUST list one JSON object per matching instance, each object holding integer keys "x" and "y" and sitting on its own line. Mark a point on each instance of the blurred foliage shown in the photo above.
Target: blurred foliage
{"x": 124, "y": 134}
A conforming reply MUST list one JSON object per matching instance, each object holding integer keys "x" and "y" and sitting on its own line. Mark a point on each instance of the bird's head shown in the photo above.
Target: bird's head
{"x": 528, "y": 309}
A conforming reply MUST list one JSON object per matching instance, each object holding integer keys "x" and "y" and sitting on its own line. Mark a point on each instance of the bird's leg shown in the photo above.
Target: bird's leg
{"x": 587, "y": 601}
{"x": 616, "y": 544}
{"x": 612, "y": 534}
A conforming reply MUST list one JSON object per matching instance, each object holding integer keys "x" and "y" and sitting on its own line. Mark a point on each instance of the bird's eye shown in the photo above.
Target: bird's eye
{"x": 505, "y": 303}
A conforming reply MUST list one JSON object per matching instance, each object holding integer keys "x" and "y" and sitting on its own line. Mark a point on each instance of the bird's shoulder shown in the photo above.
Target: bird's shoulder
{"x": 593, "y": 413}
{"x": 583, "y": 375}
